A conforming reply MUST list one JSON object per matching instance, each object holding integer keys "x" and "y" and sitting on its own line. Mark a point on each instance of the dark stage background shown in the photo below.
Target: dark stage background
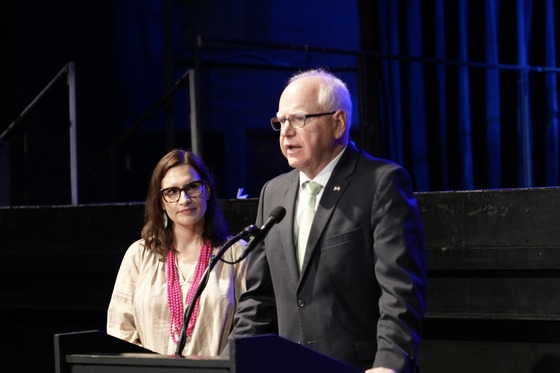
{"x": 462, "y": 93}
{"x": 493, "y": 268}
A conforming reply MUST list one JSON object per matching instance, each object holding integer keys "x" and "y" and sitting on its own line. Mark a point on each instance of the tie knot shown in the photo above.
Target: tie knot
{"x": 312, "y": 188}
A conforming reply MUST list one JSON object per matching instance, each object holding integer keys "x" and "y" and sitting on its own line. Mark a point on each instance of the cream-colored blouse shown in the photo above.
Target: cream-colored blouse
{"x": 138, "y": 311}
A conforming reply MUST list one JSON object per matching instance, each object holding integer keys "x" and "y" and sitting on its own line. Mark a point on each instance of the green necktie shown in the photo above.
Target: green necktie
{"x": 312, "y": 188}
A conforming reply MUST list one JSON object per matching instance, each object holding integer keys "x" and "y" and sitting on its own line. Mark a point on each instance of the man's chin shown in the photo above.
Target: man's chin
{"x": 294, "y": 163}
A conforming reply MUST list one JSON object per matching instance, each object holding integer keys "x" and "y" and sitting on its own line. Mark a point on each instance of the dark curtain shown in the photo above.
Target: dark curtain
{"x": 469, "y": 91}
{"x": 551, "y": 89}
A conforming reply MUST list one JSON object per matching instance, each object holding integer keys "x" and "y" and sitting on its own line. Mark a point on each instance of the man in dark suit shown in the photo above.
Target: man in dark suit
{"x": 357, "y": 290}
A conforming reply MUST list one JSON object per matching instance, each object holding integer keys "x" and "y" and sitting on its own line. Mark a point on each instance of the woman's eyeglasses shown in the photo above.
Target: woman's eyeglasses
{"x": 192, "y": 190}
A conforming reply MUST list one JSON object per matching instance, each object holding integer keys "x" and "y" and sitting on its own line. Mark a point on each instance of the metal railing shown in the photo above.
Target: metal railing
{"x": 69, "y": 72}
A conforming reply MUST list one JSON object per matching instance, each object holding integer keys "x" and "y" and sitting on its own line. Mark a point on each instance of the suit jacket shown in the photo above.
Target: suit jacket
{"x": 361, "y": 294}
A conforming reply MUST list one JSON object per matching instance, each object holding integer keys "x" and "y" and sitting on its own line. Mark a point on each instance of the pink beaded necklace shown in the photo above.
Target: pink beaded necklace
{"x": 174, "y": 298}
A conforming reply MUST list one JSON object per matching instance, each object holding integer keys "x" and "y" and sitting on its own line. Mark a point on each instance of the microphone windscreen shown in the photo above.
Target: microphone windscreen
{"x": 278, "y": 213}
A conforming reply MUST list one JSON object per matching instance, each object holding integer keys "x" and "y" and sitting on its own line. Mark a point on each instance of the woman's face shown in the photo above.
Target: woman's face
{"x": 187, "y": 212}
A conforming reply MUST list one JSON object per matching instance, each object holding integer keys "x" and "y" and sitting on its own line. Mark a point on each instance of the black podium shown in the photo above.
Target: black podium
{"x": 97, "y": 352}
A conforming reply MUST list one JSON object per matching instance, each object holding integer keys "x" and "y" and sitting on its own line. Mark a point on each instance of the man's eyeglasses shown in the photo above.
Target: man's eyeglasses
{"x": 296, "y": 120}
{"x": 192, "y": 190}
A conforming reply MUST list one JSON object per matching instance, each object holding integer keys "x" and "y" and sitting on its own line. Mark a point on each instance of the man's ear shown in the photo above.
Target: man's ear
{"x": 340, "y": 122}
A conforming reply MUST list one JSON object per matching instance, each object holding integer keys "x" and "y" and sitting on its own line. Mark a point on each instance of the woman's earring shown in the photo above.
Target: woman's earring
{"x": 165, "y": 219}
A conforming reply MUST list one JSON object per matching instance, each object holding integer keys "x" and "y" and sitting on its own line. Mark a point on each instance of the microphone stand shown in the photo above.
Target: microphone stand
{"x": 248, "y": 231}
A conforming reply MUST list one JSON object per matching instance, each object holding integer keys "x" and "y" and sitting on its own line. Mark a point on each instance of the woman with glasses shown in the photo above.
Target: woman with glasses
{"x": 160, "y": 273}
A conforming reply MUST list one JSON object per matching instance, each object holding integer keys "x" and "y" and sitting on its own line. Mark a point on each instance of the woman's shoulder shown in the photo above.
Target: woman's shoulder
{"x": 234, "y": 251}
{"x": 136, "y": 248}
{"x": 137, "y": 251}
{"x": 239, "y": 245}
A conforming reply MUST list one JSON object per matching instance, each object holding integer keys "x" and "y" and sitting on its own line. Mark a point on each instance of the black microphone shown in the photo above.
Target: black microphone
{"x": 248, "y": 231}
{"x": 276, "y": 216}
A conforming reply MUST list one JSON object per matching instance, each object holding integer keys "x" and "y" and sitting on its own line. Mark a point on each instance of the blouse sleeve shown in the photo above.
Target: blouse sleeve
{"x": 240, "y": 268}
{"x": 240, "y": 273}
{"x": 120, "y": 315}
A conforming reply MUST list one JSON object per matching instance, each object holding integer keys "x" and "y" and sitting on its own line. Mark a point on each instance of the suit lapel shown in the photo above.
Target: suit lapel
{"x": 287, "y": 236}
{"x": 334, "y": 189}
